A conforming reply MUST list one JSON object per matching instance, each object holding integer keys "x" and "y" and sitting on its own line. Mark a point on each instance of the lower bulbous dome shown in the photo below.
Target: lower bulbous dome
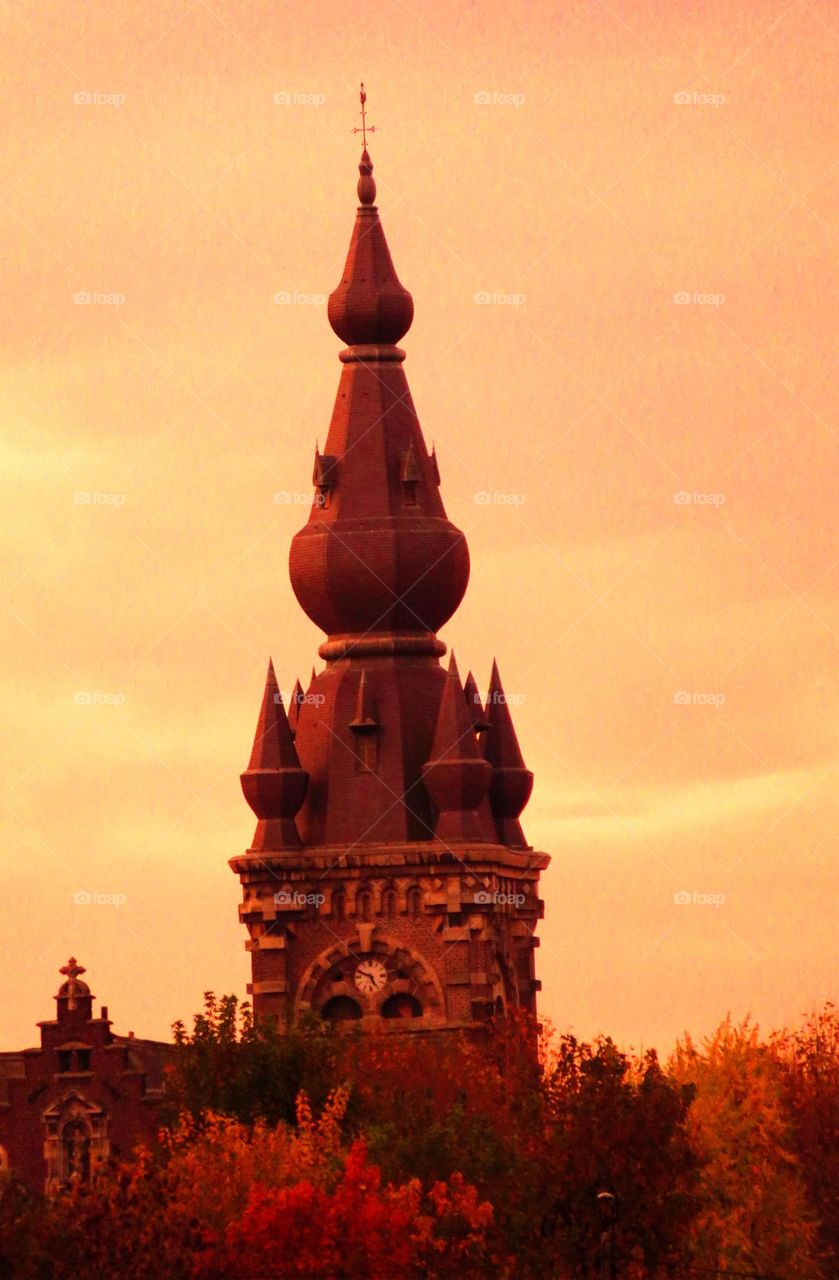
{"x": 379, "y": 575}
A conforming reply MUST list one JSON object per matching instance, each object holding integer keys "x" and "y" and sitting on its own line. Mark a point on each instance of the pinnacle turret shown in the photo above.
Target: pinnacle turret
{"x": 456, "y": 776}
{"x": 511, "y": 783}
{"x": 274, "y": 783}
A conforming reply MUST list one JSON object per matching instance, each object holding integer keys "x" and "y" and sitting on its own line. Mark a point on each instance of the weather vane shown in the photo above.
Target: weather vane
{"x": 364, "y": 125}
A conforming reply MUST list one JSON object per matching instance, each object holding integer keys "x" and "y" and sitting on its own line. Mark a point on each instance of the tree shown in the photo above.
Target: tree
{"x": 754, "y": 1214}
{"x": 808, "y": 1058}
{"x": 619, "y": 1124}
{"x": 229, "y": 1064}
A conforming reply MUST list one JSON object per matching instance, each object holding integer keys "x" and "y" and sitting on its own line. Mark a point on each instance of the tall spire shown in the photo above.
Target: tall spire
{"x": 273, "y": 783}
{"x": 378, "y": 566}
{"x": 370, "y": 307}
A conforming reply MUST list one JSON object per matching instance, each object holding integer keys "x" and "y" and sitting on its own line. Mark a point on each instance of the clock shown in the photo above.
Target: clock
{"x": 370, "y": 977}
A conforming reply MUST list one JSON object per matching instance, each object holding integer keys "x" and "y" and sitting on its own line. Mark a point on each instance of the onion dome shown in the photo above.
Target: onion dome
{"x": 370, "y": 307}
{"x": 378, "y": 566}
{"x": 456, "y": 775}
{"x": 511, "y": 783}
{"x": 273, "y": 783}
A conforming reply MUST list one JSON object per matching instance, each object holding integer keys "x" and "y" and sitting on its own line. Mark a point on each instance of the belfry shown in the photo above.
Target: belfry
{"x": 388, "y": 877}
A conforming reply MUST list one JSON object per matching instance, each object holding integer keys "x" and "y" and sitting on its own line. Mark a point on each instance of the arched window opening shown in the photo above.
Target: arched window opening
{"x": 401, "y": 1006}
{"x": 339, "y": 904}
{"x": 414, "y": 902}
{"x": 389, "y": 903}
{"x": 341, "y": 1009}
{"x": 364, "y": 905}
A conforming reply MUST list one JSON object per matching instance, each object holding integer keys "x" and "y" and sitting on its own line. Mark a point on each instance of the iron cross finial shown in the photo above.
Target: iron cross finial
{"x": 365, "y": 128}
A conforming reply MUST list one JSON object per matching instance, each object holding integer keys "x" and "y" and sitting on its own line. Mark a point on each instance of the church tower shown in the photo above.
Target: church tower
{"x": 388, "y": 878}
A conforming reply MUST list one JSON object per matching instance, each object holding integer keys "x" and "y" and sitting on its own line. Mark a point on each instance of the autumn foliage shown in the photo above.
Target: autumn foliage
{"x": 325, "y": 1153}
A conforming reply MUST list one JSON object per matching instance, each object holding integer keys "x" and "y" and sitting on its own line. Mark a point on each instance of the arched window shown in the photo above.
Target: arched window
{"x": 414, "y": 902}
{"x": 339, "y": 904}
{"x": 389, "y": 903}
{"x": 364, "y": 904}
{"x": 401, "y": 1006}
{"x": 341, "y": 1009}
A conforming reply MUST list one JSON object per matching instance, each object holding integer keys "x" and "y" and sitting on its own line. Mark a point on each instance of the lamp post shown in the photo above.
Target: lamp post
{"x": 607, "y": 1203}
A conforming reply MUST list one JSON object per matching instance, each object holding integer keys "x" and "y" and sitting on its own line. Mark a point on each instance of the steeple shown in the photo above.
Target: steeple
{"x": 378, "y": 566}
{"x": 273, "y": 783}
{"x": 388, "y": 800}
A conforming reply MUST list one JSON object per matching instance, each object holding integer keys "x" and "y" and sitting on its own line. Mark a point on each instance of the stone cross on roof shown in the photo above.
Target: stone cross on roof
{"x": 72, "y": 987}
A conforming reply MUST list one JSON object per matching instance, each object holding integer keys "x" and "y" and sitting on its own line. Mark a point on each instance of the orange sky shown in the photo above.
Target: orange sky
{"x": 582, "y": 196}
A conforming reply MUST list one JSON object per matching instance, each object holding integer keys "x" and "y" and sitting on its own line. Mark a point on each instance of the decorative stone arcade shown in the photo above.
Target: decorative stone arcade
{"x": 389, "y": 880}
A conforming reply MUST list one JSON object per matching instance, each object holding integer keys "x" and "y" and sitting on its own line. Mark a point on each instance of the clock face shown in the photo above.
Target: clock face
{"x": 370, "y": 977}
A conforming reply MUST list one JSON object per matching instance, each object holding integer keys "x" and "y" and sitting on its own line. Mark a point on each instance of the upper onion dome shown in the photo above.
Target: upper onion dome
{"x": 370, "y": 307}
